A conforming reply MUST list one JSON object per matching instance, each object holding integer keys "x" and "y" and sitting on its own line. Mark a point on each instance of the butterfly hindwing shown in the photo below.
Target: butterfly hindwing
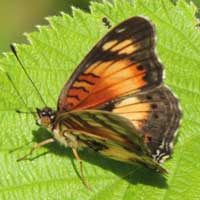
{"x": 155, "y": 113}
{"x": 107, "y": 133}
{"x": 121, "y": 63}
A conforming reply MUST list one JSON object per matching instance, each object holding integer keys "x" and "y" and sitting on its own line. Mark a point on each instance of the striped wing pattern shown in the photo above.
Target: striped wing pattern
{"x": 121, "y": 63}
{"x": 107, "y": 133}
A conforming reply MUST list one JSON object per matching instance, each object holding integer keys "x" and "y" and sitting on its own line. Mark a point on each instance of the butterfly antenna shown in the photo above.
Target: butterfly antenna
{"x": 18, "y": 93}
{"x": 24, "y": 69}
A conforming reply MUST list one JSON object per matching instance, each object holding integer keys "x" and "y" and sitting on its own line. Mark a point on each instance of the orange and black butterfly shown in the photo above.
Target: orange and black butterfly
{"x": 115, "y": 101}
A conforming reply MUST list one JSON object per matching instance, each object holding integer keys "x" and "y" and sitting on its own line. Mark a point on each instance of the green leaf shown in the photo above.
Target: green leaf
{"x": 53, "y": 54}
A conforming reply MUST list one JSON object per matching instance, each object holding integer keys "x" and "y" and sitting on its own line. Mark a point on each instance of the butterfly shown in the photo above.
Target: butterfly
{"x": 115, "y": 102}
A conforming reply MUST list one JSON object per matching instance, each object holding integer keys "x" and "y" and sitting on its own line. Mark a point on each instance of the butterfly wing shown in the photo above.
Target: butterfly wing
{"x": 122, "y": 74}
{"x": 107, "y": 133}
{"x": 121, "y": 63}
{"x": 155, "y": 113}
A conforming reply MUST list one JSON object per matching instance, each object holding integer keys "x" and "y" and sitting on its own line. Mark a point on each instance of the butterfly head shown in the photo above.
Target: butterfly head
{"x": 46, "y": 117}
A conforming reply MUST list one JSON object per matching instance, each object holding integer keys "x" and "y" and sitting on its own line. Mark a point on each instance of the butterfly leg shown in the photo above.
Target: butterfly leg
{"x": 106, "y": 22}
{"x": 36, "y": 146}
{"x": 81, "y": 167}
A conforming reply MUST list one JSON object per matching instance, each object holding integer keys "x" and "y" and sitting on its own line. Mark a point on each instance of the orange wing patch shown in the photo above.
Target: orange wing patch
{"x": 99, "y": 67}
{"x": 133, "y": 109}
{"x": 124, "y": 47}
{"x": 109, "y": 44}
{"x": 119, "y": 78}
{"x": 128, "y": 50}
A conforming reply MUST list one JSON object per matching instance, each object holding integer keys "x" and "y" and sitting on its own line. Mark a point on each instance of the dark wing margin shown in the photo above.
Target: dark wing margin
{"x": 122, "y": 62}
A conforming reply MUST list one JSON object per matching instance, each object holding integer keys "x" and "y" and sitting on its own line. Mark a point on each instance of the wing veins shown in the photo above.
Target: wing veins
{"x": 141, "y": 102}
{"x": 99, "y": 91}
{"x": 151, "y": 55}
{"x": 149, "y": 111}
{"x": 127, "y": 56}
{"x": 79, "y": 88}
{"x": 139, "y": 74}
{"x": 134, "y": 42}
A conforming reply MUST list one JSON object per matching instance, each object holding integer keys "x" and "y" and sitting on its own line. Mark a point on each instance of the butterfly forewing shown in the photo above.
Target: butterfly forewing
{"x": 123, "y": 62}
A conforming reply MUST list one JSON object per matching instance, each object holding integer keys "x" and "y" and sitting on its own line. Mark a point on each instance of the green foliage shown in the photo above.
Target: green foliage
{"x": 197, "y": 3}
{"x": 54, "y": 53}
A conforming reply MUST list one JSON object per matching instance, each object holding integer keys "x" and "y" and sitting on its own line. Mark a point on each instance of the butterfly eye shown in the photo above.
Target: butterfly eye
{"x": 43, "y": 114}
{"x": 50, "y": 113}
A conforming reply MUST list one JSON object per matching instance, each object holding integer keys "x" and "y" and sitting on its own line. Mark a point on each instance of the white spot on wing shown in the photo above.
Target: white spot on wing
{"x": 120, "y": 30}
